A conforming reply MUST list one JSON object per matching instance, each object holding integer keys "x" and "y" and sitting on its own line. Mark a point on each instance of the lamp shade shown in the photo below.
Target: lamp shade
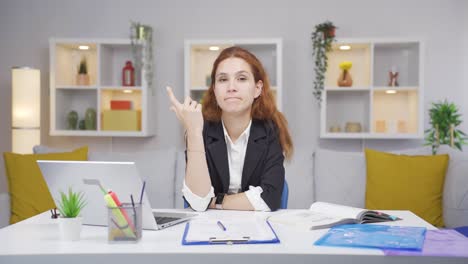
{"x": 26, "y": 108}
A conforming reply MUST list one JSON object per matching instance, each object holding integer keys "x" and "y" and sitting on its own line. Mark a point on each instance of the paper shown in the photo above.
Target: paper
{"x": 238, "y": 229}
{"x": 443, "y": 243}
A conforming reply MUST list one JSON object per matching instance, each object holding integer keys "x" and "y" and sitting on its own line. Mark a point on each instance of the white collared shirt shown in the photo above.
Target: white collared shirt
{"x": 236, "y": 156}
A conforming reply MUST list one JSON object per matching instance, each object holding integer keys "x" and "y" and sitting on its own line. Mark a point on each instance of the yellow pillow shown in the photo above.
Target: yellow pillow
{"x": 29, "y": 194}
{"x": 400, "y": 182}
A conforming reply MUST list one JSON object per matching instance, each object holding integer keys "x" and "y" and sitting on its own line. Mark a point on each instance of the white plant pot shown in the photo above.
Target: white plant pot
{"x": 70, "y": 228}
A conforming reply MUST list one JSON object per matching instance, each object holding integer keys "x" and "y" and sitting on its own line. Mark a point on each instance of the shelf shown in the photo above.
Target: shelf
{"x": 67, "y": 61}
{"x": 369, "y": 136}
{"x": 396, "y": 88}
{"x": 403, "y": 56}
{"x": 359, "y": 55}
{"x": 67, "y": 100}
{"x": 87, "y": 133}
{"x": 77, "y": 87}
{"x": 383, "y": 111}
{"x": 347, "y": 89}
{"x": 395, "y": 113}
{"x": 113, "y": 58}
{"x": 106, "y": 59}
{"x": 349, "y": 107}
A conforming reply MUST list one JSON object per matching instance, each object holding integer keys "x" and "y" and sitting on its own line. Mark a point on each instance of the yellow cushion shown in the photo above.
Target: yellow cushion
{"x": 29, "y": 194}
{"x": 400, "y": 182}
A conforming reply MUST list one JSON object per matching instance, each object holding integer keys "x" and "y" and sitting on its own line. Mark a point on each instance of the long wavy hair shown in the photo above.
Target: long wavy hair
{"x": 263, "y": 107}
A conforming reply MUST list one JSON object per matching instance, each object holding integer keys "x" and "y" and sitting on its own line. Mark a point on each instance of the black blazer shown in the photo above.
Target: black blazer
{"x": 263, "y": 164}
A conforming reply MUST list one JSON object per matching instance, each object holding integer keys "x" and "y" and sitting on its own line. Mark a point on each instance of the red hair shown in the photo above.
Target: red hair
{"x": 263, "y": 107}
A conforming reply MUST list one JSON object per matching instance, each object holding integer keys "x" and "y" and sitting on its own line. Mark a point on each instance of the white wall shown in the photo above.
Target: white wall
{"x": 26, "y": 26}
{"x": 464, "y": 88}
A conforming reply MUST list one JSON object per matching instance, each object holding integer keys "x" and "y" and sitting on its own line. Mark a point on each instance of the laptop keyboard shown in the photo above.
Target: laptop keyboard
{"x": 164, "y": 219}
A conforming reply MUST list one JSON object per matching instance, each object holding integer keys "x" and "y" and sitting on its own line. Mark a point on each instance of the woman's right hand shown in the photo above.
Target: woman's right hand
{"x": 189, "y": 113}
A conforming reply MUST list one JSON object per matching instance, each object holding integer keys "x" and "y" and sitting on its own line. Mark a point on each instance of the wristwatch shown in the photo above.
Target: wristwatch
{"x": 219, "y": 201}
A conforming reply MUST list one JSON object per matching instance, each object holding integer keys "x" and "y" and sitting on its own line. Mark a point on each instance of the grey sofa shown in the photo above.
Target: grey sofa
{"x": 330, "y": 176}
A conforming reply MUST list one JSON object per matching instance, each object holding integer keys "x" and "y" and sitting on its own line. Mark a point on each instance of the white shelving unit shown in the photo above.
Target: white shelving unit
{"x": 382, "y": 111}
{"x": 105, "y": 60}
{"x": 199, "y": 60}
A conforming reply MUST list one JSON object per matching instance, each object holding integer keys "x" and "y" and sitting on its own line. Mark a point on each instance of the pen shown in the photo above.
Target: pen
{"x": 142, "y": 190}
{"x": 221, "y": 225}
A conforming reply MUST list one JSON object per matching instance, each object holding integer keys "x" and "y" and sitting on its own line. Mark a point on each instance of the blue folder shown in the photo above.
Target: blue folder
{"x": 228, "y": 241}
{"x": 374, "y": 236}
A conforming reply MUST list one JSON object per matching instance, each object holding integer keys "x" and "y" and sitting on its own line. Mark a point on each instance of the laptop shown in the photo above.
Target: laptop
{"x": 120, "y": 177}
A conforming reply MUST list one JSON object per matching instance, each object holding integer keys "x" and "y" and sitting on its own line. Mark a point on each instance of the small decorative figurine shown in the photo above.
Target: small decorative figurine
{"x": 393, "y": 77}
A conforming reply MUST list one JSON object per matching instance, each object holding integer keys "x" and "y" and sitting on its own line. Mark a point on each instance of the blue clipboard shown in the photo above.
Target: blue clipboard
{"x": 224, "y": 241}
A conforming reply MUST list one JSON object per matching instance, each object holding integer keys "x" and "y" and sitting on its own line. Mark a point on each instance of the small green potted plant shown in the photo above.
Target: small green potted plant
{"x": 322, "y": 39}
{"x": 444, "y": 120}
{"x": 82, "y": 78}
{"x": 70, "y": 220}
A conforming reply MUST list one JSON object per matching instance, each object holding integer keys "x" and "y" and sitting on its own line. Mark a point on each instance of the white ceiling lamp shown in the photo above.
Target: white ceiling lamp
{"x": 345, "y": 47}
{"x": 213, "y": 48}
{"x": 391, "y": 91}
{"x": 83, "y": 47}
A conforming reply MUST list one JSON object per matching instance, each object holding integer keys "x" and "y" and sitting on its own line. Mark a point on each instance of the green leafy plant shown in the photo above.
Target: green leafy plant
{"x": 322, "y": 39}
{"x": 71, "y": 204}
{"x": 444, "y": 122}
{"x": 83, "y": 68}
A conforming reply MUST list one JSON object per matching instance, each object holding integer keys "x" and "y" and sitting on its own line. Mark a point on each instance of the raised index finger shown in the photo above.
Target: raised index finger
{"x": 173, "y": 99}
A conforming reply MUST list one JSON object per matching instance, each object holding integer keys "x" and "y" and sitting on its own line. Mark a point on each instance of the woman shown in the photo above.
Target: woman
{"x": 237, "y": 143}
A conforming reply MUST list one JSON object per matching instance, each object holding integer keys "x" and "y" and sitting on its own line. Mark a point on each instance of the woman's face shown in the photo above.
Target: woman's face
{"x": 235, "y": 88}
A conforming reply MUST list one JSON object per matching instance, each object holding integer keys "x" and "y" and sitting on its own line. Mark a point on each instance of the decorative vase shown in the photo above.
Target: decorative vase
{"x": 90, "y": 119}
{"x": 345, "y": 79}
{"x": 353, "y": 127}
{"x": 70, "y": 228}
{"x": 72, "y": 120}
{"x": 82, "y": 79}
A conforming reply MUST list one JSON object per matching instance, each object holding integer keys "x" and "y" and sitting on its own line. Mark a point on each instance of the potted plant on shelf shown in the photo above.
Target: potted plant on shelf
{"x": 322, "y": 38}
{"x": 70, "y": 220}
{"x": 444, "y": 120}
{"x": 82, "y": 78}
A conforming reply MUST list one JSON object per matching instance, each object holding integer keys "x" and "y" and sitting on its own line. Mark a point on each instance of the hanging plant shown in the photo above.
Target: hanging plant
{"x": 322, "y": 38}
{"x": 142, "y": 36}
{"x": 444, "y": 122}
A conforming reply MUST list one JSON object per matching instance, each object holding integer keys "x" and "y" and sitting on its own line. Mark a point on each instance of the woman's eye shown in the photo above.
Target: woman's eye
{"x": 242, "y": 78}
{"x": 222, "y": 79}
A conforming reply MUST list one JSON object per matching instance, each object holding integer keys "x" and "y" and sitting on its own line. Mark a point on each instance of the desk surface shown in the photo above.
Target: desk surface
{"x": 38, "y": 239}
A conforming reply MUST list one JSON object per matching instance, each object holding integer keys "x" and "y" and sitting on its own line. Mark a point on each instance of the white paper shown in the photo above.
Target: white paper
{"x": 237, "y": 229}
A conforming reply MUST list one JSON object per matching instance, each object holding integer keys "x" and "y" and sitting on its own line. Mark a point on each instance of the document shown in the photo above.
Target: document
{"x": 326, "y": 215}
{"x": 231, "y": 231}
{"x": 438, "y": 243}
{"x": 374, "y": 236}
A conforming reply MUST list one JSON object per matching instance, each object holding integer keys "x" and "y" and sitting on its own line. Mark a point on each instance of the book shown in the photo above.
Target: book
{"x": 121, "y": 105}
{"x": 325, "y": 215}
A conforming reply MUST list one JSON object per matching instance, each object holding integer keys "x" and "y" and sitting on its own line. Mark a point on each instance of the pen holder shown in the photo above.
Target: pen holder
{"x": 124, "y": 223}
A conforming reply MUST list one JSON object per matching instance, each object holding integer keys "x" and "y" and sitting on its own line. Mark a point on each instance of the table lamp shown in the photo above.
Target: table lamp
{"x": 26, "y": 109}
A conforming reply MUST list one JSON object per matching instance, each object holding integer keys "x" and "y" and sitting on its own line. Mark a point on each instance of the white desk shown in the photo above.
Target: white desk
{"x": 36, "y": 240}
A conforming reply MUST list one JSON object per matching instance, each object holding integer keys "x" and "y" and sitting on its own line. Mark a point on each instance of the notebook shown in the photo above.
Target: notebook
{"x": 121, "y": 177}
